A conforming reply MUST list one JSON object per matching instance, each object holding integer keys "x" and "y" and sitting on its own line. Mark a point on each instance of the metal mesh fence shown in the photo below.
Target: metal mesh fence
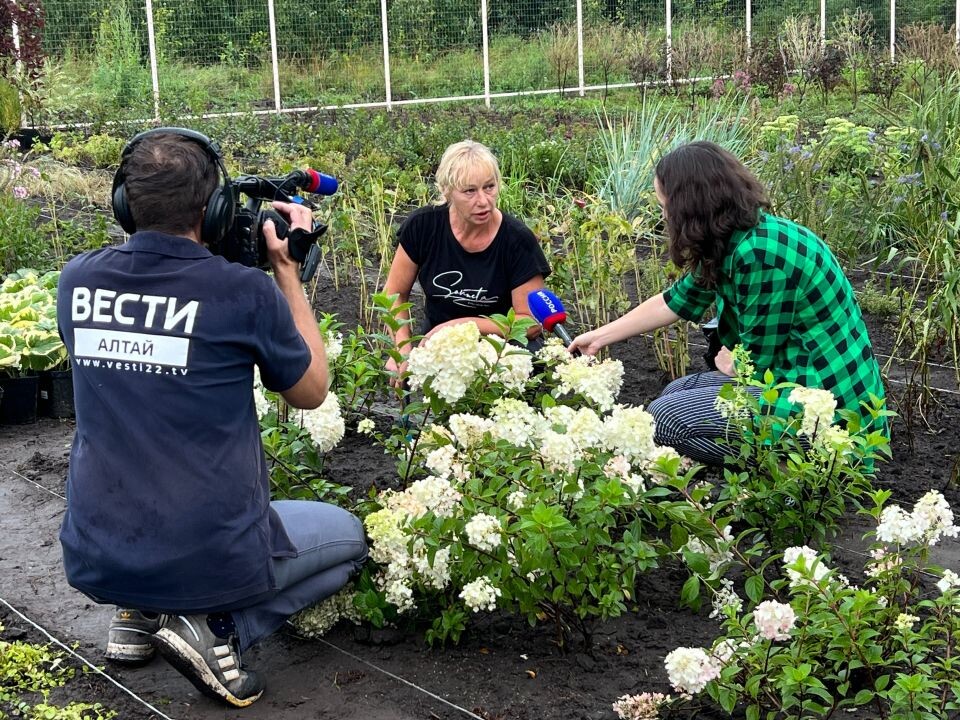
{"x": 99, "y": 56}
{"x": 329, "y": 53}
{"x": 218, "y": 55}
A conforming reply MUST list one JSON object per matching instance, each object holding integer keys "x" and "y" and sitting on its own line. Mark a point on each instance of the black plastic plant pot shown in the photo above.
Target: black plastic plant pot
{"x": 20, "y": 396}
{"x": 56, "y": 394}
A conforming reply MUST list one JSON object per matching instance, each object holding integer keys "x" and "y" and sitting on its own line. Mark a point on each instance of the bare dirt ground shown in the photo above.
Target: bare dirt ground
{"x": 502, "y": 668}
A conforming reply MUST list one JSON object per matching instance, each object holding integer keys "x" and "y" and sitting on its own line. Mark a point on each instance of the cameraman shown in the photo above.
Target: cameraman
{"x": 168, "y": 511}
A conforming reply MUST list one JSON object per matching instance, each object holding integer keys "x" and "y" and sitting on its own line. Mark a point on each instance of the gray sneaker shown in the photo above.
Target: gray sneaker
{"x": 129, "y": 640}
{"x": 211, "y": 663}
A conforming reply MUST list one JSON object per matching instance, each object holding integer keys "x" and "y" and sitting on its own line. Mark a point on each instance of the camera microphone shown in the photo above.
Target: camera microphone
{"x": 284, "y": 188}
{"x": 314, "y": 182}
{"x": 548, "y": 311}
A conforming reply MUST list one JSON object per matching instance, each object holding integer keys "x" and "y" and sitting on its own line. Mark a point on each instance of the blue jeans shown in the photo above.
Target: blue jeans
{"x": 330, "y": 547}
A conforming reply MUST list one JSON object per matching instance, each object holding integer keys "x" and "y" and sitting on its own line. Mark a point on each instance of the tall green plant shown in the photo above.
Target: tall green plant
{"x": 631, "y": 146}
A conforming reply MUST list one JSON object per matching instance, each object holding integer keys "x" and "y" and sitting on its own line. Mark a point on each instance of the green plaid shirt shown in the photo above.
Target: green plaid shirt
{"x": 782, "y": 295}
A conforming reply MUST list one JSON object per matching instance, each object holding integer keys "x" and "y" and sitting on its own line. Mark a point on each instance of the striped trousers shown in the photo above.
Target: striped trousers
{"x": 687, "y": 419}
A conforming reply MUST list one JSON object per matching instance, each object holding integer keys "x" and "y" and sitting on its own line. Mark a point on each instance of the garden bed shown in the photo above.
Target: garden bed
{"x": 502, "y": 668}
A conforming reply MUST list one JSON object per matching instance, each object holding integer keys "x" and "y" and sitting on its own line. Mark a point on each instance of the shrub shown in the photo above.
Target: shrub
{"x": 825, "y": 644}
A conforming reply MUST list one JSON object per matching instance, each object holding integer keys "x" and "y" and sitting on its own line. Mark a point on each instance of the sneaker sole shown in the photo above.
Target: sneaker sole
{"x": 192, "y": 666}
{"x": 129, "y": 654}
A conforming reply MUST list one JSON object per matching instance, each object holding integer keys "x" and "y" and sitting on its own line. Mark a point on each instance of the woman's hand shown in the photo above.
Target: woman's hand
{"x": 724, "y": 362}
{"x": 397, "y": 371}
{"x": 589, "y": 343}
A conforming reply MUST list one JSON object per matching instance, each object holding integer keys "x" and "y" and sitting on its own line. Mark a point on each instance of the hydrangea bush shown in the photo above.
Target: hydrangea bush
{"x": 791, "y": 479}
{"x": 296, "y": 441}
{"x": 529, "y": 489}
{"x": 824, "y": 644}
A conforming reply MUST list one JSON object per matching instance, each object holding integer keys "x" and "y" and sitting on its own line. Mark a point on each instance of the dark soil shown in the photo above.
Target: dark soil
{"x": 501, "y": 669}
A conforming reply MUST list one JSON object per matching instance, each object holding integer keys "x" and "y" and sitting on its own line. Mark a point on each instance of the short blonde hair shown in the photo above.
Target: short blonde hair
{"x": 462, "y": 160}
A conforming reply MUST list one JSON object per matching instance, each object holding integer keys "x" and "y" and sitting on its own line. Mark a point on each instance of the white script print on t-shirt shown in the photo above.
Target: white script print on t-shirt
{"x": 447, "y": 283}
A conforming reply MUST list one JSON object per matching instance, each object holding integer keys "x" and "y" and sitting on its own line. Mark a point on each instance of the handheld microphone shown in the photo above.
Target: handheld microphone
{"x": 548, "y": 311}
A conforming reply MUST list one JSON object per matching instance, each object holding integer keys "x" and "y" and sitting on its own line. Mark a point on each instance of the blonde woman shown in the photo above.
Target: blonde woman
{"x": 471, "y": 259}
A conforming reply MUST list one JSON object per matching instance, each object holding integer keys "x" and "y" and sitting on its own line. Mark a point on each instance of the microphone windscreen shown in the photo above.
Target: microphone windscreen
{"x": 326, "y": 184}
{"x": 314, "y": 180}
{"x": 546, "y": 308}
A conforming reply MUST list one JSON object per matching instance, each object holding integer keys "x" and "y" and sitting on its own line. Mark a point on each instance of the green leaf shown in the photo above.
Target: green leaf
{"x": 690, "y": 594}
{"x": 754, "y": 587}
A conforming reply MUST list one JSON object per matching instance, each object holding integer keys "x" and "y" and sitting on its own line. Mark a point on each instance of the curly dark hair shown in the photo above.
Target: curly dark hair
{"x": 709, "y": 195}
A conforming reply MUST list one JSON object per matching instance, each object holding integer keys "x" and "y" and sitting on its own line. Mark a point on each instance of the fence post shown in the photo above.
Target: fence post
{"x": 823, "y": 24}
{"x": 956, "y": 23}
{"x": 152, "y": 47}
{"x": 749, "y": 28}
{"x": 486, "y": 52}
{"x": 893, "y": 29}
{"x": 386, "y": 54}
{"x": 580, "y": 45}
{"x": 272, "y": 19}
{"x": 669, "y": 43}
{"x": 19, "y": 69}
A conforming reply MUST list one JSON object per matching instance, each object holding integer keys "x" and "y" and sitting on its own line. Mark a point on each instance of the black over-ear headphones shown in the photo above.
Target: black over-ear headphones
{"x": 220, "y": 205}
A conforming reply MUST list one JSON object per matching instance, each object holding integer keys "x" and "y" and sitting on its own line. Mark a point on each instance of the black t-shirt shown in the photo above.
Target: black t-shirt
{"x": 458, "y": 283}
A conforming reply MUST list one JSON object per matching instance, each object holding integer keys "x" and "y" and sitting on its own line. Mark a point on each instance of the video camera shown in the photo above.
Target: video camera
{"x": 244, "y": 241}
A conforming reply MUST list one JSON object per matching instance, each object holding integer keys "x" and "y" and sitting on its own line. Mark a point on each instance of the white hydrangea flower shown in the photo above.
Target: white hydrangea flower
{"x": 385, "y": 528}
{"x": 440, "y": 460}
{"x": 583, "y": 425}
{"x": 558, "y": 451}
{"x": 645, "y": 706}
{"x": 819, "y": 407}
{"x": 260, "y": 401}
{"x": 325, "y": 424}
{"x": 935, "y": 517}
{"x": 774, "y": 620}
{"x": 948, "y": 581}
{"x": 882, "y": 562}
{"x": 629, "y": 431}
{"x": 836, "y": 439}
{"x": 725, "y": 598}
{"x": 468, "y": 430}
{"x": 516, "y": 499}
{"x": 690, "y": 669}
{"x": 619, "y": 467}
{"x": 333, "y": 344}
{"x": 717, "y": 557}
{"x": 554, "y": 352}
{"x": 513, "y": 368}
{"x": 930, "y": 520}
{"x": 437, "y": 575}
{"x": 316, "y": 620}
{"x": 480, "y": 595}
{"x": 803, "y": 566}
{"x": 725, "y": 650}
{"x": 366, "y": 426}
{"x": 514, "y": 421}
{"x": 649, "y": 465}
{"x": 905, "y": 622}
{"x": 450, "y": 358}
{"x": 897, "y": 526}
{"x": 436, "y": 495}
{"x": 483, "y": 532}
{"x": 398, "y": 592}
{"x": 599, "y": 382}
